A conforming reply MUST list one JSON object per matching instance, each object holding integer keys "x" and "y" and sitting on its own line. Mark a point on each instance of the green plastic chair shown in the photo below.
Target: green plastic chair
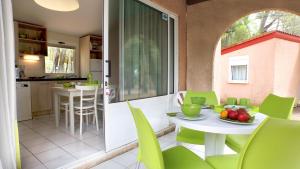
{"x": 211, "y": 97}
{"x": 273, "y": 106}
{"x": 245, "y": 102}
{"x": 274, "y": 145}
{"x": 151, "y": 155}
{"x": 190, "y": 136}
{"x": 231, "y": 101}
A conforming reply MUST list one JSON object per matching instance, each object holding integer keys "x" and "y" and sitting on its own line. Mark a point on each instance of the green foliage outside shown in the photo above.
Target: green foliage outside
{"x": 259, "y": 23}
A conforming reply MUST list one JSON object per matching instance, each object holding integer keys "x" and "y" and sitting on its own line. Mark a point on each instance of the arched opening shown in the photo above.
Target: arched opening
{"x": 257, "y": 55}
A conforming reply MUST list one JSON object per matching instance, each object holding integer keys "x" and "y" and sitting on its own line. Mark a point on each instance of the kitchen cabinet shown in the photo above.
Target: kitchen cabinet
{"x": 30, "y": 39}
{"x": 41, "y": 97}
{"x": 91, "y": 56}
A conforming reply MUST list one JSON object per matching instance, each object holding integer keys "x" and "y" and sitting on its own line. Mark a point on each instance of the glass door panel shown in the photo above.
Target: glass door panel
{"x": 139, "y": 55}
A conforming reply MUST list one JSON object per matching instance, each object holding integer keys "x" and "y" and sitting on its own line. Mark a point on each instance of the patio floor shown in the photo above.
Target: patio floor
{"x": 128, "y": 160}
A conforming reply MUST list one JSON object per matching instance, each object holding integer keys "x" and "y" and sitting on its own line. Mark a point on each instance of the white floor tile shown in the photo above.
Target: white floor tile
{"x": 33, "y": 142}
{"x": 24, "y": 152}
{"x": 62, "y": 139}
{"x": 40, "y": 167}
{"x": 29, "y": 136}
{"x": 63, "y": 160}
{"x": 96, "y": 142}
{"x": 51, "y": 155}
{"x": 126, "y": 159}
{"x": 109, "y": 165}
{"x": 30, "y": 162}
{"x": 133, "y": 166}
{"x": 80, "y": 149}
{"x": 42, "y": 147}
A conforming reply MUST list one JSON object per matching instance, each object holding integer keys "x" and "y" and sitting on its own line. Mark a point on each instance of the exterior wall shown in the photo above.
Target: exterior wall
{"x": 287, "y": 68}
{"x": 261, "y": 73}
{"x": 274, "y": 67}
{"x": 207, "y": 21}
{"x": 179, "y": 7}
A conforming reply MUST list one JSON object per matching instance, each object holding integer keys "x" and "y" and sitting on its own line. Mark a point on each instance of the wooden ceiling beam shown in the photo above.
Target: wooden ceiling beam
{"x": 192, "y": 2}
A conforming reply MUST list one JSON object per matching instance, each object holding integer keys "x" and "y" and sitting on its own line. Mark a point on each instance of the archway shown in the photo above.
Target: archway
{"x": 254, "y": 55}
{"x": 207, "y": 21}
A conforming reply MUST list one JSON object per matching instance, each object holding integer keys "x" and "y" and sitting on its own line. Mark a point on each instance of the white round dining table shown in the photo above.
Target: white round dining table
{"x": 216, "y": 130}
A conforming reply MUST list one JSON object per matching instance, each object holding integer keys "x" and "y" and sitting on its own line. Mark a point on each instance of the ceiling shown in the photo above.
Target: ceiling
{"x": 86, "y": 20}
{"x": 192, "y": 2}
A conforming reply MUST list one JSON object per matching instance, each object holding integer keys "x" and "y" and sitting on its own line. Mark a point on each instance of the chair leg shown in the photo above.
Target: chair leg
{"x": 66, "y": 115}
{"x": 96, "y": 117}
{"x": 87, "y": 120}
{"x": 137, "y": 165}
{"x": 81, "y": 122}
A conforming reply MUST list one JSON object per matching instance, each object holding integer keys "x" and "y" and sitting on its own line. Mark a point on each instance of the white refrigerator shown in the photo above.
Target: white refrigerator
{"x": 96, "y": 69}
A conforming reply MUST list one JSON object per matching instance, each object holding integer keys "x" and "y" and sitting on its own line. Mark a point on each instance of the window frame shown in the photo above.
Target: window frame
{"x": 238, "y": 61}
{"x": 61, "y": 46}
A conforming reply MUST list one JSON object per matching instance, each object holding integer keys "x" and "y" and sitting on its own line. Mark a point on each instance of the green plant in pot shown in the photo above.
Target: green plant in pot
{"x": 198, "y": 100}
{"x": 191, "y": 110}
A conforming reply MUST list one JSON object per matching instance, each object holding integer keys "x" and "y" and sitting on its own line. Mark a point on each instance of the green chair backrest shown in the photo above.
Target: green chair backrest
{"x": 231, "y": 101}
{"x": 211, "y": 98}
{"x": 274, "y": 145}
{"x": 245, "y": 102}
{"x": 277, "y": 107}
{"x": 149, "y": 150}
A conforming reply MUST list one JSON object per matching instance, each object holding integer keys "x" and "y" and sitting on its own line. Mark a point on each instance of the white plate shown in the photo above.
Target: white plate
{"x": 237, "y": 122}
{"x": 205, "y": 107}
{"x": 182, "y": 116}
{"x": 235, "y": 107}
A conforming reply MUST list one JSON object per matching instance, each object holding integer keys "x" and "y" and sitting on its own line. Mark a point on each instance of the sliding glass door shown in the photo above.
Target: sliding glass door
{"x": 140, "y": 63}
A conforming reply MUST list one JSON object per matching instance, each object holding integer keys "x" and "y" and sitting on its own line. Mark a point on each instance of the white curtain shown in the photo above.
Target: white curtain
{"x": 7, "y": 87}
{"x": 239, "y": 72}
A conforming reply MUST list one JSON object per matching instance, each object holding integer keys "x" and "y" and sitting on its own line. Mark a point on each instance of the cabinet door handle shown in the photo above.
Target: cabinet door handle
{"x": 109, "y": 68}
{"x": 25, "y": 85}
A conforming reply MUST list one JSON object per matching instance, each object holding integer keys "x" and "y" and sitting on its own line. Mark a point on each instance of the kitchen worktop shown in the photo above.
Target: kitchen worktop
{"x": 49, "y": 79}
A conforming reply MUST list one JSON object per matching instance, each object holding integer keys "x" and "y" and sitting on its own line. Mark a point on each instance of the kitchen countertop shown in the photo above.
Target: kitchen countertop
{"x": 49, "y": 79}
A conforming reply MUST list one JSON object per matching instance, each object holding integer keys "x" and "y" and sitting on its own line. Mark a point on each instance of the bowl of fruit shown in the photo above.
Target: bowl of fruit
{"x": 191, "y": 110}
{"x": 236, "y": 116}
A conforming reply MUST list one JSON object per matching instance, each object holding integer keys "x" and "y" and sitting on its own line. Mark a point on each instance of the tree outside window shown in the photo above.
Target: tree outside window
{"x": 60, "y": 60}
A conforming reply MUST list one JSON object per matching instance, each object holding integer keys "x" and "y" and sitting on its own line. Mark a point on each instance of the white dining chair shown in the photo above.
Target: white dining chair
{"x": 64, "y": 105}
{"x": 112, "y": 95}
{"x": 87, "y": 104}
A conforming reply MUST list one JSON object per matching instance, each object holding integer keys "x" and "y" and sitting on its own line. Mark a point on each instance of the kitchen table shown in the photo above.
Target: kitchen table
{"x": 216, "y": 130}
{"x": 70, "y": 93}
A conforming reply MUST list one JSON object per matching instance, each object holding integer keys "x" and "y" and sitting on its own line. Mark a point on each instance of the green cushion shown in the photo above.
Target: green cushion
{"x": 236, "y": 142}
{"x": 190, "y": 136}
{"x": 223, "y": 162}
{"x": 181, "y": 158}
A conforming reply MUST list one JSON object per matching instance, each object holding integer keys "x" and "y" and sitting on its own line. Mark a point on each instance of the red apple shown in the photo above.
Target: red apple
{"x": 241, "y": 110}
{"x": 232, "y": 114}
{"x": 243, "y": 117}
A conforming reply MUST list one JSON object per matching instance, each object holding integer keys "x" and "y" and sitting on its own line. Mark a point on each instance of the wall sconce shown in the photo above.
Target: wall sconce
{"x": 31, "y": 58}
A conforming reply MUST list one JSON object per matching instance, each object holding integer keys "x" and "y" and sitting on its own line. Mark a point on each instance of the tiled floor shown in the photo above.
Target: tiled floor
{"x": 45, "y": 146}
{"x": 128, "y": 160}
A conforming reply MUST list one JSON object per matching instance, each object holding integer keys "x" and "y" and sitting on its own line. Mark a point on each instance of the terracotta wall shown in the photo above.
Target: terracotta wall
{"x": 274, "y": 67}
{"x": 178, "y": 7}
{"x": 207, "y": 21}
{"x": 287, "y": 69}
{"x": 261, "y": 73}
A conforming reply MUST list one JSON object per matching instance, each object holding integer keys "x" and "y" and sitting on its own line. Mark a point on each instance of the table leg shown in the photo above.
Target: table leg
{"x": 55, "y": 108}
{"x": 214, "y": 144}
{"x": 71, "y": 99}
